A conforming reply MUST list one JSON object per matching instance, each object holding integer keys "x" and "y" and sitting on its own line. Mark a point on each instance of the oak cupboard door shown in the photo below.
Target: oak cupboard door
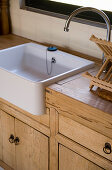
{"x": 69, "y": 160}
{"x": 32, "y": 150}
{"x": 8, "y": 153}
{"x": 0, "y": 137}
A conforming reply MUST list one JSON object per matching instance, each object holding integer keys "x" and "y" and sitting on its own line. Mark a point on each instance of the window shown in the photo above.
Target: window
{"x": 61, "y": 8}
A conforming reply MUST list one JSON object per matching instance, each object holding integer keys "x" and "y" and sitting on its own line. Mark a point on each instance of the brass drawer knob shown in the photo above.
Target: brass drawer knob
{"x": 107, "y": 148}
{"x": 16, "y": 141}
{"x": 11, "y": 138}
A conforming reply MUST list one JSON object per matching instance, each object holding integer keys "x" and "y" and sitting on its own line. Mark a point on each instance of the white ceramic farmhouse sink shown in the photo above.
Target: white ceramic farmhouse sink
{"x": 23, "y": 74}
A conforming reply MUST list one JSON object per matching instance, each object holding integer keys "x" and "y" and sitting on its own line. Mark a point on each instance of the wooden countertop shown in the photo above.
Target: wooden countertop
{"x": 75, "y": 87}
{"x": 11, "y": 40}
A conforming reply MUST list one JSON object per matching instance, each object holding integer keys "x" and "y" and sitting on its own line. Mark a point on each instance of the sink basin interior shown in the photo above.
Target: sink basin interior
{"x": 24, "y": 75}
{"x": 29, "y": 62}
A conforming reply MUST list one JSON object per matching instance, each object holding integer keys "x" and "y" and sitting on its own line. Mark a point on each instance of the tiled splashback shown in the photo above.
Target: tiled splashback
{"x": 49, "y": 29}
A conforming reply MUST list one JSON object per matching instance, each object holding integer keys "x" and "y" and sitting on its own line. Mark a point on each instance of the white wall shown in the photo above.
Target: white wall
{"x": 49, "y": 29}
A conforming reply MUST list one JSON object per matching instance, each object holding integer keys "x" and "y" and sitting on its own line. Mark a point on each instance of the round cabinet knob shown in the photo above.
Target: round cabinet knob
{"x": 107, "y": 148}
{"x": 11, "y": 138}
{"x": 16, "y": 141}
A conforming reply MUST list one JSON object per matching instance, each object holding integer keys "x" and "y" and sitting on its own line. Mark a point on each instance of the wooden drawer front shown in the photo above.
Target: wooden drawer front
{"x": 84, "y": 136}
{"x": 69, "y": 160}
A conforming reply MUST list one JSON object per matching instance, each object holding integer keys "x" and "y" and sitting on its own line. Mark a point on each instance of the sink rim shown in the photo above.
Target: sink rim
{"x": 76, "y": 71}
{"x": 66, "y": 73}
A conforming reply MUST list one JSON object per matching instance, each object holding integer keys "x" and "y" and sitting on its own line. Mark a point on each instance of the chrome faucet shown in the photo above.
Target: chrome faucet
{"x": 101, "y": 13}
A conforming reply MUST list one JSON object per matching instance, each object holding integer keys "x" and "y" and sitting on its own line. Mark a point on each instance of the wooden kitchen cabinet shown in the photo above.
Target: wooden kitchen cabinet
{"x": 68, "y": 145}
{"x": 83, "y": 133}
{"x": 69, "y": 160}
{"x": 32, "y": 150}
{"x": 80, "y": 147}
{"x": 75, "y": 146}
{"x": 28, "y": 150}
{"x": 58, "y": 140}
{"x": 8, "y": 149}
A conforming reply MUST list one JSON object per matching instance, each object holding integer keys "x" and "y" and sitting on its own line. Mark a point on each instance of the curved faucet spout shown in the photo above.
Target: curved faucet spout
{"x": 101, "y": 13}
{"x": 83, "y": 9}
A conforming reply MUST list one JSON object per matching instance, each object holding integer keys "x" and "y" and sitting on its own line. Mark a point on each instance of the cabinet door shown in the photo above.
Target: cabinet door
{"x": 32, "y": 150}
{"x": 7, "y": 128}
{"x": 69, "y": 160}
{"x": 0, "y": 137}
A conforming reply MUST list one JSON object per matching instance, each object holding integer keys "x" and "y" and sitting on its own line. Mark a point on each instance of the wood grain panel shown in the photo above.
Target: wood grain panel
{"x": 69, "y": 160}
{"x": 5, "y": 166}
{"x": 81, "y": 112}
{"x": 4, "y": 5}
{"x": 31, "y": 120}
{"x": 8, "y": 148}
{"x": 32, "y": 151}
{"x": 85, "y": 136}
{"x": 53, "y": 142}
{"x": 84, "y": 152}
{"x": 9, "y": 107}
